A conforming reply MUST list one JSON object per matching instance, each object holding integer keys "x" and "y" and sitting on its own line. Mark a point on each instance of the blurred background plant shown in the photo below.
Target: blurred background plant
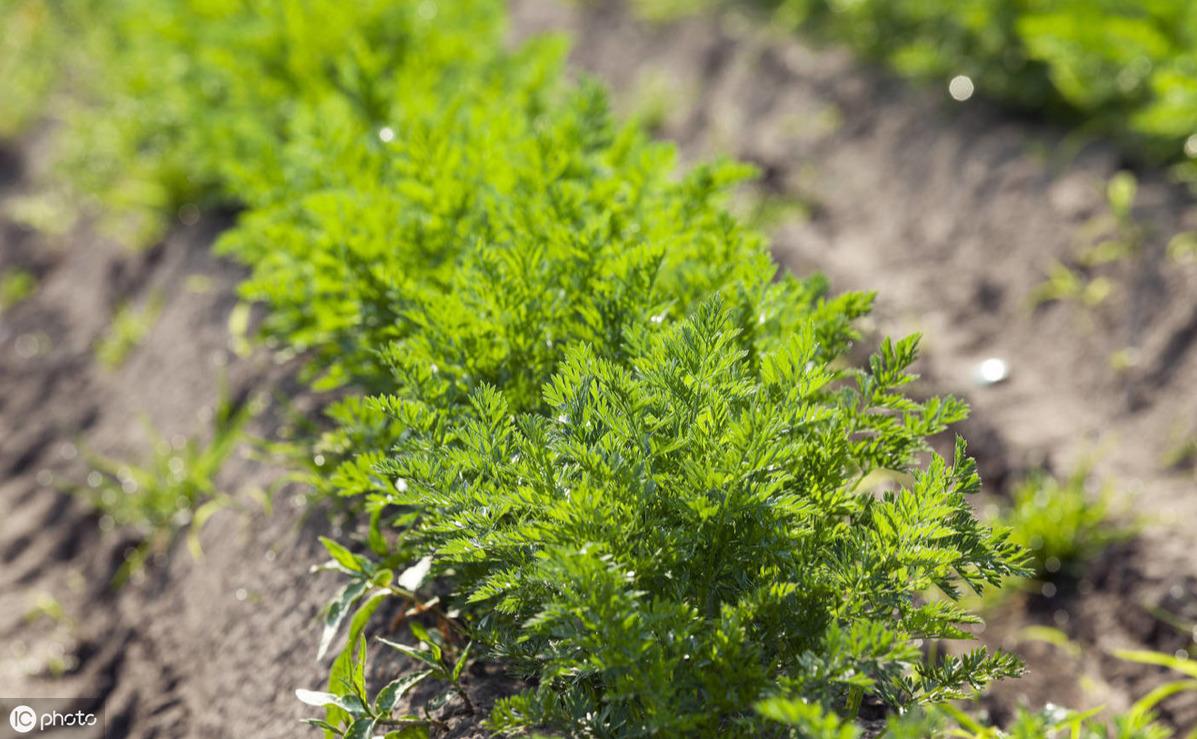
{"x": 1062, "y": 522}
{"x": 174, "y": 491}
{"x": 1120, "y": 68}
{"x": 15, "y": 286}
{"x": 128, "y": 328}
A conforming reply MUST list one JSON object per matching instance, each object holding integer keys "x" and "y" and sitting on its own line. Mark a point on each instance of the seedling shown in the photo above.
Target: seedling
{"x": 15, "y": 286}
{"x": 1118, "y": 236}
{"x": 1061, "y": 523}
{"x": 46, "y": 606}
{"x": 128, "y": 328}
{"x": 435, "y": 664}
{"x": 1183, "y": 247}
{"x": 351, "y": 714}
{"x": 49, "y": 211}
{"x": 1065, "y": 284}
{"x": 174, "y": 492}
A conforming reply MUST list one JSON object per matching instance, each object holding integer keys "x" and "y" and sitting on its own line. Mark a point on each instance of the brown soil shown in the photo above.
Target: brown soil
{"x": 189, "y": 649}
{"x": 209, "y": 647}
{"x": 952, "y": 212}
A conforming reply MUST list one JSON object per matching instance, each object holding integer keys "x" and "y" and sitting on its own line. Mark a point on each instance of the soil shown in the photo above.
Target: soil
{"x": 207, "y": 647}
{"x": 953, "y": 212}
{"x": 188, "y": 649}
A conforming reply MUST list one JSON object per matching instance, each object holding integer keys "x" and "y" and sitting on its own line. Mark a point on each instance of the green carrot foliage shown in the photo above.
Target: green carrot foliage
{"x": 632, "y": 456}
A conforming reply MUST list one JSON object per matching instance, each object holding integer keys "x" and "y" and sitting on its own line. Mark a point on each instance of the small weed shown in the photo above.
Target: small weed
{"x": 49, "y": 608}
{"x": 1125, "y": 359}
{"x": 174, "y": 492}
{"x": 1049, "y": 722}
{"x": 1061, "y": 523}
{"x": 50, "y": 212}
{"x": 1182, "y": 455}
{"x": 128, "y": 329}
{"x": 1183, "y": 247}
{"x": 1065, "y": 284}
{"x": 15, "y": 286}
{"x": 1111, "y": 238}
{"x": 32, "y": 42}
{"x": 1052, "y": 636}
{"x": 350, "y": 712}
{"x": 1117, "y": 233}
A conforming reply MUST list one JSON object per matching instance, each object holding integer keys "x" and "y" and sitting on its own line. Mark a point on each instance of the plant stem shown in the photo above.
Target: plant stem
{"x": 855, "y": 696}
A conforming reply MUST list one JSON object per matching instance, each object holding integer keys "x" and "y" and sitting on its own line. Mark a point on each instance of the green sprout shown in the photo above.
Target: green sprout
{"x": 128, "y": 329}
{"x": 350, "y": 713}
{"x": 1061, "y": 523}
{"x": 173, "y": 492}
{"x": 15, "y": 286}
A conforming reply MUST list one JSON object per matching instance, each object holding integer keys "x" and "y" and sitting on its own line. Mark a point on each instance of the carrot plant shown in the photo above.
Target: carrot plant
{"x": 627, "y": 454}
{"x": 31, "y": 55}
